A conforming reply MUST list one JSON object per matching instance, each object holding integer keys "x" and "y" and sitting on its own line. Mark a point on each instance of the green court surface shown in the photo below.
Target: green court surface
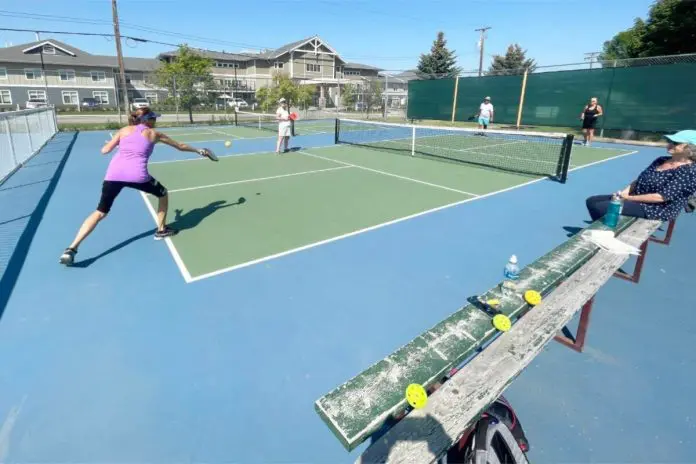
{"x": 252, "y": 208}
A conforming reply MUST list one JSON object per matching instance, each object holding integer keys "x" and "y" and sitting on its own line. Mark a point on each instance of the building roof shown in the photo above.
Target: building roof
{"x": 74, "y": 57}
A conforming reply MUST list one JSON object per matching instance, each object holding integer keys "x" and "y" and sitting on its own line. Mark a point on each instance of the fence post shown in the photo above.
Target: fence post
{"x": 454, "y": 99}
{"x": 522, "y": 92}
{"x": 9, "y": 138}
{"x": 26, "y": 124}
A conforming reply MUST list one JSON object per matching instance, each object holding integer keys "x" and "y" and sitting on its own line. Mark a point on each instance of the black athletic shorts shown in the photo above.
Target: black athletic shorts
{"x": 111, "y": 189}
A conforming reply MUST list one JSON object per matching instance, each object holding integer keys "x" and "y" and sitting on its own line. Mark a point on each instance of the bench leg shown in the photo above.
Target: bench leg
{"x": 635, "y": 277}
{"x": 668, "y": 235}
{"x": 577, "y": 342}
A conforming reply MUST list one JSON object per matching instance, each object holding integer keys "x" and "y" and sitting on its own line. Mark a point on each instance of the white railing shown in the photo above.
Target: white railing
{"x": 22, "y": 135}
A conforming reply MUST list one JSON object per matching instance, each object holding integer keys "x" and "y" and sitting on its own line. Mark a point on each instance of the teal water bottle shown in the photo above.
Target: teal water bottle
{"x": 611, "y": 219}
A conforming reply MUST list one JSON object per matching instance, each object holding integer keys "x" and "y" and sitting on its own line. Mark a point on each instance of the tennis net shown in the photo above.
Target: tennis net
{"x": 259, "y": 121}
{"x": 534, "y": 153}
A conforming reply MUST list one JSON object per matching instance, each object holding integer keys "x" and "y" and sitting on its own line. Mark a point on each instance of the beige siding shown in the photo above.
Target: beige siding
{"x": 301, "y": 60}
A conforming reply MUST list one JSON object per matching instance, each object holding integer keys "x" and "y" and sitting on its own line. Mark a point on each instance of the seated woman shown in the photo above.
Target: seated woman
{"x": 662, "y": 190}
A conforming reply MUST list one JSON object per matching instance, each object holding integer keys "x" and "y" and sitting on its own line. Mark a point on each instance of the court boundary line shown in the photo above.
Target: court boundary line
{"x": 258, "y": 179}
{"x": 386, "y": 173}
{"x": 170, "y": 245}
{"x": 225, "y": 133}
{"x": 188, "y": 278}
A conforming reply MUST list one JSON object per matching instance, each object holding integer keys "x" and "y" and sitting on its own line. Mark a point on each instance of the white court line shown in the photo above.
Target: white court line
{"x": 172, "y": 249}
{"x": 224, "y": 133}
{"x": 244, "y": 181}
{"x": 189, "y": 279}
{"x": 577, "y": 168}
{"x": 385, "y": 173}
{"x": 356, "y": 232}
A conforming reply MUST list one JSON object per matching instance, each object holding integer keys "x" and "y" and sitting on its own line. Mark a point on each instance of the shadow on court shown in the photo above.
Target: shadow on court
{"x": 182, "y": 221}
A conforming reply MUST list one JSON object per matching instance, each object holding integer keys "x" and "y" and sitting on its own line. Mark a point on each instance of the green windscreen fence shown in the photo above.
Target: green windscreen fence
{"x": 657, "y": 98}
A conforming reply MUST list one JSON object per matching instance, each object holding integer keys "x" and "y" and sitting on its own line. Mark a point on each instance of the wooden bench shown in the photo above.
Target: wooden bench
{"x": 568, "y": 277}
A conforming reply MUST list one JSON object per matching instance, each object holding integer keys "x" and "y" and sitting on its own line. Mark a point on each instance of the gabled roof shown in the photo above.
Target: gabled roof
{"x": 214, "y": 55}
{"x": 360, "y": 66}
{"x": 76, "y": 57}
{"x": 55, "y": 44}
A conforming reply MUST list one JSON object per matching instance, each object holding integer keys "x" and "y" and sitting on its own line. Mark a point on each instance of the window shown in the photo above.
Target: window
{"x": 101, "y": 97}
{"x": 128, "y": 78}
{"x": 3, "y": 73}
{"x": 36, "y": 94}
{"x": 98, "y": 76}
{"x": 70, "y": 97}
{"x": 151, "y": 97}
{"x": 313, "y": 67}
{"x": 352, "y": 73}
{"x": 49, "y": 49}
{"x": 66, "y": 75}
{"x": 5, "y": 97}
{"x": 32, "y": 74}
{"x": 278, "y": 65}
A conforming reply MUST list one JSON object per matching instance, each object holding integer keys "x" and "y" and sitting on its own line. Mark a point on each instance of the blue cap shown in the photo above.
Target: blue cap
{"x": 148, "y": 116}
{"x": 685, "y": 136}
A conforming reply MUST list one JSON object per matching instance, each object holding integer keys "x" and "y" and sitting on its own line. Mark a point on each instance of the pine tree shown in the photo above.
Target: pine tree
{"x": 440, "y": 62}
{"x": 513, "y": 62}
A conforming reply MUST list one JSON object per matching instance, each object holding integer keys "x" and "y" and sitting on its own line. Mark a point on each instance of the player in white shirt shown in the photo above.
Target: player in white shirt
{"x": 284, "y": 125}
{"x": 485, "y": 116}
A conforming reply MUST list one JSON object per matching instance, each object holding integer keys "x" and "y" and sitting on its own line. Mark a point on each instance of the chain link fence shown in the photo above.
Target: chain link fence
{"x": 22, "y": 134}
{"x": 640, "y": 96}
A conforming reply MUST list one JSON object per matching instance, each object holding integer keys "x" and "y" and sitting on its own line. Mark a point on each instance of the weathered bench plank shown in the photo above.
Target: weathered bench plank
{"x": 426, "y": 434}
{"x": 359, "y": 407}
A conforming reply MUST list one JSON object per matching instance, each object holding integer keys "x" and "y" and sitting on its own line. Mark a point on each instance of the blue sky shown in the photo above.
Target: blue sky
{"x": 389, "y": 34}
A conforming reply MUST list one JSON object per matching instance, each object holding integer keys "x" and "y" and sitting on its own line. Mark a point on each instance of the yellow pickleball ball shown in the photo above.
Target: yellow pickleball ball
{"x": 228, "y": 144}
{"x": 416, "y": 396}
{"x": 502, "y": 322}
{"x": 532, "y": 297}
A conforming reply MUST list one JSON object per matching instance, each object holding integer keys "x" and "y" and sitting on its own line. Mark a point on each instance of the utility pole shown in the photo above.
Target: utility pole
{"x": 119, "y": 54}
{"x": 591, "y": 57}
{"x": 482, "y": 40}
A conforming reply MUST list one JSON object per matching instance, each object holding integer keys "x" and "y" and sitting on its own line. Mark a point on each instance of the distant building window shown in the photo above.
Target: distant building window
{"x": 70, "y": 97}
{"x": 98, "y": 76}
{"x": 36, "y": 94}
{"x": 278, "y": 65}
{"x": 352, "y": 73}
{"x": 5, "y": 97}
{"x": 313, "y": 67}
{"x": 66, "y": 75}
{"x": 102, "y": 97}
{"x": 49, "y": 49}
{"x": 3, "y": 73}
{"x": 32, "y": 74}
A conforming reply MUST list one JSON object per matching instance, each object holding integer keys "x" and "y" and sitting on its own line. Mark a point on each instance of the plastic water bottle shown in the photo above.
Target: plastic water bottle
{"x": 512, "y": 274}
{"x": 611, "y": 218}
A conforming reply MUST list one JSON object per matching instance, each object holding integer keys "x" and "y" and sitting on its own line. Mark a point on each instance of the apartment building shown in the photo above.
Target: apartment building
{"x": 65, "y": 76}
{"x": 59, "y": 74}
{"x": 310, "y": 61}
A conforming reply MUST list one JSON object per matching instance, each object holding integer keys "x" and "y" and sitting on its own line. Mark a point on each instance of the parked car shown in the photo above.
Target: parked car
{"x": 140, "y": 103}
{"x": 89, "y": 102}
{"x": 238, "y": 103}
{"x": 36, "y": 103}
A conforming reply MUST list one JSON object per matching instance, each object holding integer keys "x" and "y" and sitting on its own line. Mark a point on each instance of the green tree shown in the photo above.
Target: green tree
{"x": 188, "y": 78}
{"x": 305, "y": 95}
{"x": 514, "y": 61}
{"x": 440, "y": 62}
{"x": 372, "y": 95}
{"x": 349, "y": 96}
{"x": 670, "y": 29}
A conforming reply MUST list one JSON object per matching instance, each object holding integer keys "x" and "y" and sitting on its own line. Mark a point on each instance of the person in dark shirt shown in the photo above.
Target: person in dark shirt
{"x": 663, "y": 189}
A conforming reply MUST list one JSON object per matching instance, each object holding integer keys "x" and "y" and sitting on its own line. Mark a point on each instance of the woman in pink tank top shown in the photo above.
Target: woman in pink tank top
{"x": 128, "y": 168}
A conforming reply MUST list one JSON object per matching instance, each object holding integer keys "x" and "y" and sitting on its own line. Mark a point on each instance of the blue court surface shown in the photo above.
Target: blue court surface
{"x": 120, "y": 359}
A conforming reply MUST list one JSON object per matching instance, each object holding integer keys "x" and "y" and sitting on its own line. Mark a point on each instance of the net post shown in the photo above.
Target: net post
{"x": 566, "y": 151}
{"x": 236, "y": 121}
{"x": 454, "y": 99}
{"x": 337, "y": 130}
{"x": 522, "y": 92}
{"x": 413, "y": 139}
